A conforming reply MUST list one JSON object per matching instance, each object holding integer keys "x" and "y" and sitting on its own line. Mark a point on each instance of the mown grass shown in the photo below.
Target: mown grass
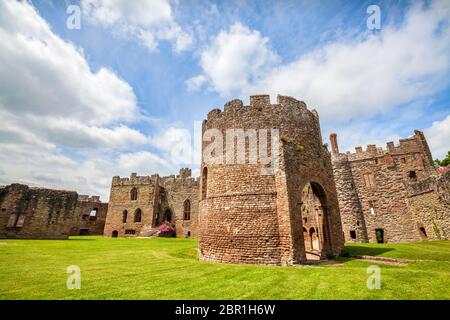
{"x": 165, "y": 268}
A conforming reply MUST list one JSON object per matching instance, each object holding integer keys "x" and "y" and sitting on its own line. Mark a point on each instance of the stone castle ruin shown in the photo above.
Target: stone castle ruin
{"x": 249, "y": 217}
{"x": 393, "y": 194}
{"x": 269, "y": 192}
{"x": 140, "y": 204}
{"x": 39, "y": 213}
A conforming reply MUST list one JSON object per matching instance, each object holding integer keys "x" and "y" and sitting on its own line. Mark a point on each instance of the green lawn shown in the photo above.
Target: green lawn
{"x": 165, "y": 268}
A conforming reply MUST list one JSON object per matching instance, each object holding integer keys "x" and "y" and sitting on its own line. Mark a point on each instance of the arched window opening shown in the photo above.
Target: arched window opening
{"x": 187, "y": 210}
{"x": 204, "y": 182}
{"x": 124, "y": 216}
{"x": 137, "y": 215}
{"x": 353, "y": 234}
{"x": 134, "y": 194}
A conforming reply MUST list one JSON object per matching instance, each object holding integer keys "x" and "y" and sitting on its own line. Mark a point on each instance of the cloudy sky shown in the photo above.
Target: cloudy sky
{"x": 126, "y": 89}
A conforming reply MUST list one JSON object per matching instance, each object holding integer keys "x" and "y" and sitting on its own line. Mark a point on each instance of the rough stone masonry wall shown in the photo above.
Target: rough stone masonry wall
{"x": 120, "y": 202}
{"x": 177, "y": 190}
{"x": 390, "y": 170}
{"x": 247, "y": 217}
{"x": 85, "y": 224}
{"x": 155, "y": 195}
{"x": 429, "y": 202}
{"x": 38, "y": 213}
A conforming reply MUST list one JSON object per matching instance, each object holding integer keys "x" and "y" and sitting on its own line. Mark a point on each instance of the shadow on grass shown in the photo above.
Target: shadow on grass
{"x": 356, "y": 250}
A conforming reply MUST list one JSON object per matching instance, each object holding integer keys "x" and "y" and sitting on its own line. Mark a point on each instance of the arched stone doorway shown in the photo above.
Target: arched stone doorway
{"x": 315, "y": 221}
{"x": 168, "y": 215}
{"x": 115, "y": 234}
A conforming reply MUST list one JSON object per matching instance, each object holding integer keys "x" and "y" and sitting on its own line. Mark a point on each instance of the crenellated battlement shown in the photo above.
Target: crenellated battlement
{"x": 87, "y": 198}
{"x": 260, "y": 103}
{"x": 183, "y": 178}
{"x": 134, "y": 179}
{"x": 411, "y": 145}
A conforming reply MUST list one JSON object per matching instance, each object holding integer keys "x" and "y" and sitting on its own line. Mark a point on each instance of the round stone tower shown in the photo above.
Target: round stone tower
{"x": 257, "y": 161}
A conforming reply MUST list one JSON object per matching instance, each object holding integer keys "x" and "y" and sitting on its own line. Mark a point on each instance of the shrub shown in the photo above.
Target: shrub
{"x": 166, "y": 229}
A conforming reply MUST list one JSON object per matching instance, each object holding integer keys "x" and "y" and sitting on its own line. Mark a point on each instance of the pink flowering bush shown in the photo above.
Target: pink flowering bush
{"x": 166, "y": 229}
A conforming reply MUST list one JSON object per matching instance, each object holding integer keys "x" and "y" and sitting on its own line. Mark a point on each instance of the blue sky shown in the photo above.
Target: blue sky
{"x": 122, "y": 92}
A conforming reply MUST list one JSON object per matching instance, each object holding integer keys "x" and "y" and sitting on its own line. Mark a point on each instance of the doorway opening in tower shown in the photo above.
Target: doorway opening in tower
{"x": 315, "y": 221}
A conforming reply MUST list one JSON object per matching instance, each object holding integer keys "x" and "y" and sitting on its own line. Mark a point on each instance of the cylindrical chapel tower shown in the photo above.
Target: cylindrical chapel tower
{"x": 256, "y": 161}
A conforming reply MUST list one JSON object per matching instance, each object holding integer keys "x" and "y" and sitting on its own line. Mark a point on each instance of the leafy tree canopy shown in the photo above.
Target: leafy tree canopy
{"x": 444, "y": 162}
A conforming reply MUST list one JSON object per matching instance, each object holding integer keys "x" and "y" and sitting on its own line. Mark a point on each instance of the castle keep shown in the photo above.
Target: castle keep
{"x": 279, "y": 218}
{"x": 393, "y": 194}
{"x": 39, "y": 213}
{"x": 138, "y": 205}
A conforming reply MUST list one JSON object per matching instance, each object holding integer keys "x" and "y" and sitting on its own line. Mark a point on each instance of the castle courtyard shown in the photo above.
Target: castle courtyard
{"x": 168, "y": 268}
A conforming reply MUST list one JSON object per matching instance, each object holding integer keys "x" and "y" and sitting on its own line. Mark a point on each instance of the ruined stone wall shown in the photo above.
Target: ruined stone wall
{"x": 38, "y": 213}
{"x": 250, "y": 217}
{"x": 177, "y": 191}
{"x": 429, "y": 202}
{"x": 158, "y": 199}
{"x": 86, "y": 223}
{"x": 121, "y": 205}
{"x": 373, "y": 189}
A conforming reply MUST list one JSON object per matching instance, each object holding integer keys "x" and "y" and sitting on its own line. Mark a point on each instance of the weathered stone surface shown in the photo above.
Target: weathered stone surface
{"x": 38, "y": 213}
{"x": 247, "y": 217}
{"x": 403, "y": 186}
{"x": 157, "y": 199}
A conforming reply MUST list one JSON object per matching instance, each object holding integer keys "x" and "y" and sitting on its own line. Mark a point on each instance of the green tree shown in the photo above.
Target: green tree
{"x": 444, "y": 162}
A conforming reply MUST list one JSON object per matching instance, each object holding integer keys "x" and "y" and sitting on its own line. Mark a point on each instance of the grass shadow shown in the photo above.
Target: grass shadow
{"x": 356, "y": 250}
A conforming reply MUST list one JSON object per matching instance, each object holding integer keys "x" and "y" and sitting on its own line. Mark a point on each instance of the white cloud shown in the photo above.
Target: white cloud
{"x": 50, "y": 96}
{"x": 195, "y": 83}
{"x": 236, "y": 58}
{"x": 344, "y": 78}
{"x": 91, "y": 173}
{"x": 178, "y": 144}
{"x": 147, "y": 20}
{"x": 31, "y": 54}
{"x": 438, "y": 136}
{"x": 61, "y": 120}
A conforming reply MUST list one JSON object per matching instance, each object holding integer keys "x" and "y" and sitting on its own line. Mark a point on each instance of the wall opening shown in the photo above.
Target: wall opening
{"x": 412, "y": 175}
{"x": 379, "y": 235}
{"x": 124, "y": 216}
{"x": 134, "y": 194}
{"x": 12, "y": 220}
{"x": 353, "y": 234}
{"x": 373, "y": 208}
{"x": 93, "y": 214}
{"x": 423, "y": 233}
{"x": 187, "y": 210}
{"x": 168, "y": 215}
{"x": 204, "y": 182}
{"x": 84, "y": 232}
{"x": 115, "y": 234}
{"x": 130, "y": 231}
{"x": 316, "y": 234}
{"x": 138, "y": 215}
